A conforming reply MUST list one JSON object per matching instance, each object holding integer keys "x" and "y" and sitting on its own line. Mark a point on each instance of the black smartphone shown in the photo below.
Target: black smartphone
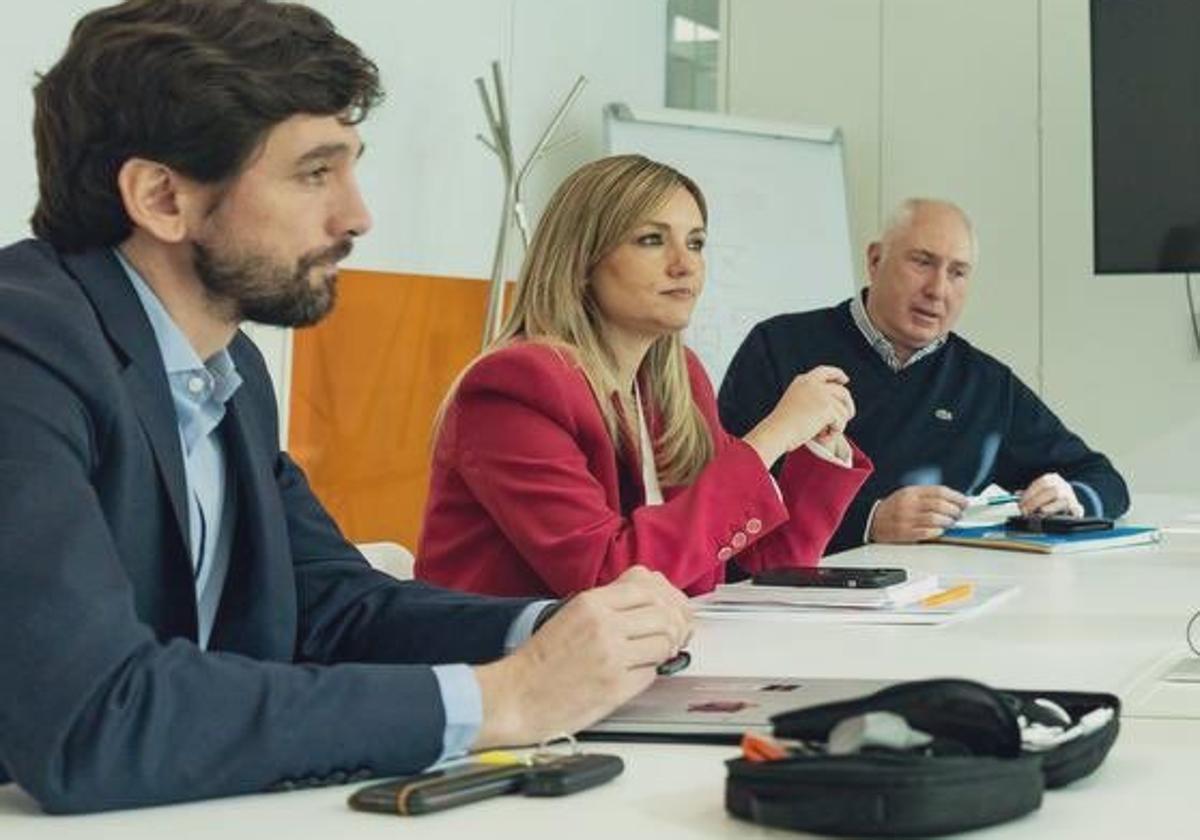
{"x": 1058, "y": 524}
{"x": 841, "y": 577}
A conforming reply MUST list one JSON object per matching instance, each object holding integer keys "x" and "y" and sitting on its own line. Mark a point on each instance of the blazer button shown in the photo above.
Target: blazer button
{"x": 753, "y": 525}
{"x": 738, "y": 541}
{"x": 725, "y": 553}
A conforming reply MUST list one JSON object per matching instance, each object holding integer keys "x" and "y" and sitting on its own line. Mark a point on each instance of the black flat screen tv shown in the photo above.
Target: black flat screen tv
{"x": 1146, "y": 135}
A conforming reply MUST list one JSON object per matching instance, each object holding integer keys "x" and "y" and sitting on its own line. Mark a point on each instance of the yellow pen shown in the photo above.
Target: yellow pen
{"x": 947, "y": 596}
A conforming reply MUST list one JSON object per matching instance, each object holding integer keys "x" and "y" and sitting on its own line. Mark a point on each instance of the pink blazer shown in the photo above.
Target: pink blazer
{"x": 529, "y": 496}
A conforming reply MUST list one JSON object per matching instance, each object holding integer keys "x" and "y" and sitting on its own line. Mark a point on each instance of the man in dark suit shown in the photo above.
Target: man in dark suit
{"x": 182, "y": 618}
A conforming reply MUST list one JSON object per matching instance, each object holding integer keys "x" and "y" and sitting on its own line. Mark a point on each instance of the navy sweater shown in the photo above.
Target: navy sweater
{"x": 957, "y": 417}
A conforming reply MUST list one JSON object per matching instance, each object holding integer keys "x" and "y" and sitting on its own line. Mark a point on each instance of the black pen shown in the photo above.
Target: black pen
{"x": 675, "y": 664}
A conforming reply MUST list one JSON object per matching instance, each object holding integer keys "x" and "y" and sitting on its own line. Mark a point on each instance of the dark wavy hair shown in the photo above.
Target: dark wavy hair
{"x": 191, "y": 84}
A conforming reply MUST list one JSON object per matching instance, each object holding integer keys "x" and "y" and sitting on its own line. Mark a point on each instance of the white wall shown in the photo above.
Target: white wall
{"x": 434, "y": 191}
{"x": 987, "y": 102}
{"x": 778, "y": 49}
{"x": 27, "y": 45}
{"x": 1119, "y": 351}
{"x": 918, "y": 101}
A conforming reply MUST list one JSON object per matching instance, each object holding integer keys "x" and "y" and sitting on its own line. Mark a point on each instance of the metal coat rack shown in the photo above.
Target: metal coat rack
{"x": 513, "y": 209}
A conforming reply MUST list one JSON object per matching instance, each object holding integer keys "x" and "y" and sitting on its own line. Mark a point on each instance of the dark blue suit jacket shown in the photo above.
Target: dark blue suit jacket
{"x": 105, "y": 699}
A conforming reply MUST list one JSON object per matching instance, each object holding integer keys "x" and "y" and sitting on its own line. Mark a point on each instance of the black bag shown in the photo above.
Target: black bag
{"x": 975, "y": 772}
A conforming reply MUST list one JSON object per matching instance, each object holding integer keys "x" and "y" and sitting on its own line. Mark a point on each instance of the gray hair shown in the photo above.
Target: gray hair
{"x": 902, "y": 216}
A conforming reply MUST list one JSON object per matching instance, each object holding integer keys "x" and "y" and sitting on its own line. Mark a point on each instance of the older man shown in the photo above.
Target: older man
{"x": 940, "y": 418}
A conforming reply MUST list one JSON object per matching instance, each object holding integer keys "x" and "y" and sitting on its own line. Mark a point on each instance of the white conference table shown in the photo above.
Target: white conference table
{"x": 1104, "y": 621}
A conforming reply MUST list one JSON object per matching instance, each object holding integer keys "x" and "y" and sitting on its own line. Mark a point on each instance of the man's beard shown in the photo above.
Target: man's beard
{"x": 259, "y": 289}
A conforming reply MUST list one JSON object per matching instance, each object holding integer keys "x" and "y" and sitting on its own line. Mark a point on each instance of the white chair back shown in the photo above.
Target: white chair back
{"x": 389, "y": 557}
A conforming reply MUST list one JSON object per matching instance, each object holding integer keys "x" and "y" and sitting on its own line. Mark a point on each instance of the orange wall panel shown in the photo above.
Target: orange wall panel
{"x": 366, "y": 384}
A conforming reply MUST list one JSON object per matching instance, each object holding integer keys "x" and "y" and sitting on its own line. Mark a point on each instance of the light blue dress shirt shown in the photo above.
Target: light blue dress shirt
{"x": 880, "y": 343}
{"x": 200, "y": 391}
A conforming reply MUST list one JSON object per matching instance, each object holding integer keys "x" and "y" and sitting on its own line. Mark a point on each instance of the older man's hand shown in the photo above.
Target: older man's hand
{"x": 912, "y": 514}
{"x": 1050, "y": 494}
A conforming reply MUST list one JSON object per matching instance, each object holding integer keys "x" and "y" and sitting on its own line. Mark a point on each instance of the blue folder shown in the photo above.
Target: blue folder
{"x": 991, "y": 536}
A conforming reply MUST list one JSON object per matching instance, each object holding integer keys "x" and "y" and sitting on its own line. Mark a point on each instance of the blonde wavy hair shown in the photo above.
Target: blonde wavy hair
{"x": 589, "y": 215}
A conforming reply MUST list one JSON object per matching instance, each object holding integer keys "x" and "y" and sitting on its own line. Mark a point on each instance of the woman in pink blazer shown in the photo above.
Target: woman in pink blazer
{"x": 586, "y": 440}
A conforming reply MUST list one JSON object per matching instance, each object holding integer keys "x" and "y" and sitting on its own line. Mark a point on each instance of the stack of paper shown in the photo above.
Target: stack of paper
{"x": 953, "y": 601}
{"x": 993, "y": 506}
{"x": 752, "y": 596}
{"x": 1185, "y": 670}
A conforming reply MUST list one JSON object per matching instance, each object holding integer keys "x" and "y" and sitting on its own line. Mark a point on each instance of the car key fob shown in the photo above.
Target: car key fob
{"x": 571, "y": 774}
